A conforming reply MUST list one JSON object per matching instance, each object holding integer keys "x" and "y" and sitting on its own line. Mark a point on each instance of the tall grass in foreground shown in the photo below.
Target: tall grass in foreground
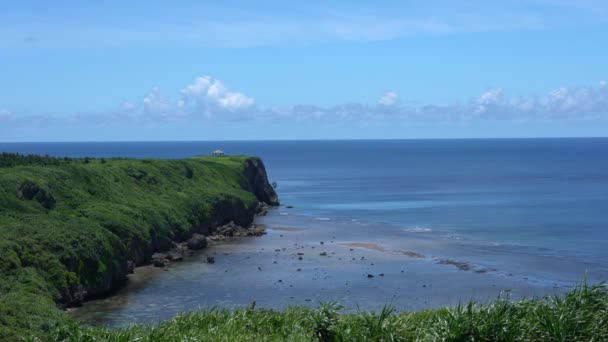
{"x": 579, "y": 315}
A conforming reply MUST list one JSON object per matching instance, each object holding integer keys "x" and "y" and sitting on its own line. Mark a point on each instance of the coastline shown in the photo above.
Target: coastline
{"x": 79, "y": 226}
{"x": 228, "y": 213}
{"x": 361, "y": 204}
{"x": 302, "y": 265}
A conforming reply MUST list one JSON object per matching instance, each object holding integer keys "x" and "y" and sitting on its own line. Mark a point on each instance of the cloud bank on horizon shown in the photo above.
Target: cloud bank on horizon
{"x": 207, "y": 99}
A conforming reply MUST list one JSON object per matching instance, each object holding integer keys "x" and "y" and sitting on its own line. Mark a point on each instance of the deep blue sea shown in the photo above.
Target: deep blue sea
{"x": 536, "y": 209}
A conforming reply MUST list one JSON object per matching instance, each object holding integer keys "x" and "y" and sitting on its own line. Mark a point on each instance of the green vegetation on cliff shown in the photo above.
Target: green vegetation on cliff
{"x": 70, "y": 227}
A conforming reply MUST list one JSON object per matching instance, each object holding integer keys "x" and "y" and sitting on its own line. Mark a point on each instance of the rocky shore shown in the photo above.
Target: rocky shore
{"x": 197, "y": 242}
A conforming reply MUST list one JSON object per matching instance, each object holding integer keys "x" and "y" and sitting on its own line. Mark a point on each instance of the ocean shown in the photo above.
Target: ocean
{"x": 468, "y": 217}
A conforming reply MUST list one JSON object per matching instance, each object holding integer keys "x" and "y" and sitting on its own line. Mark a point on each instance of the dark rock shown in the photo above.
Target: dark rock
{"x": 130, "y": 267}
{"x": 323, "y": 254}
{"x": 175, "y": 256}
{"x": 196, "y": 242}
{"x": 159, "y": 263}
{"x": 262, "y": 209}
{"x": 159, "y": 256}
{"x": 257, "y": 181}
{"x": 228, "y": 229}
{"x": 159, "y": 259}
{"x": 370, "y": 275}
{"x": 210, "y": 260}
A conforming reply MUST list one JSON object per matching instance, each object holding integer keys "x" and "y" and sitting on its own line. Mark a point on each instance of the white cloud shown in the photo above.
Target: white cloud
{"x": 198, "y": 88}
{"x": 216, "y": 90}
{"x": 490, "y": 98}
{"x": 235, "y": 101}
{"x": 388, "y": 99}
{"x": 562, "y": 102}
{"x": 209, "y": 99}
{"x": 156, "y": 104}
{"x": 208, "y": 94}
{"x": 570, "y": 103}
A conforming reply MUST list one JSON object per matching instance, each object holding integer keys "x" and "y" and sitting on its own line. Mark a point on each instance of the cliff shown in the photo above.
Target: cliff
{"x": 70, "y": 228}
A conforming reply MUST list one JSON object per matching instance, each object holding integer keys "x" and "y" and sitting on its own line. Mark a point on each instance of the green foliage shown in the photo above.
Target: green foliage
{"x": 66, "y": 223}
{"x": 580, "y": 315}
{"x": 13, "y": 159}
{"x": 325, "y": 321}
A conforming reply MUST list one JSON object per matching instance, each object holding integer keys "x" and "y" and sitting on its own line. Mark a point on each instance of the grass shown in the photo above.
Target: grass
{"x": 71, "y": 224}
{"x": 579, "y": 315}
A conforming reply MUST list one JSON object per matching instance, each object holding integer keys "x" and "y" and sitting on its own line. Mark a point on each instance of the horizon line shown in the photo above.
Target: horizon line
{"x": 295, "y": 140}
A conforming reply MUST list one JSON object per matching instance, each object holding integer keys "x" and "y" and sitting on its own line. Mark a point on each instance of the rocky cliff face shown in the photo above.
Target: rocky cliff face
{"x": 257, "y": 182}
{"x": 224, "y": 211}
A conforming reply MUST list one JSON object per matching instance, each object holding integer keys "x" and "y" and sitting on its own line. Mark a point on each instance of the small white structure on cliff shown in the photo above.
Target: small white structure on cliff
{"x": 217, "y": 153}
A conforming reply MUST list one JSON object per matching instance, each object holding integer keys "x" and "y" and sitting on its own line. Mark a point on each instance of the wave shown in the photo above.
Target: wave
{"x": 418, "y": 230}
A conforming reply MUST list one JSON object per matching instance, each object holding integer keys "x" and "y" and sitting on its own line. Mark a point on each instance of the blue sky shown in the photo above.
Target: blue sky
{"x": 196, "y": 70}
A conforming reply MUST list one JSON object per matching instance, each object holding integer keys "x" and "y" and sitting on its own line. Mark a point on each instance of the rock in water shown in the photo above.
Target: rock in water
{"x": 159, "y": 259}
{"x": 175, "y": 256}
{"x": 197, "y": 241}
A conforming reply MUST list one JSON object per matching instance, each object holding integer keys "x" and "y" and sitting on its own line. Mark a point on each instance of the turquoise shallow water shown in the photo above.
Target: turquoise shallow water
{"x": 534, "y": 211}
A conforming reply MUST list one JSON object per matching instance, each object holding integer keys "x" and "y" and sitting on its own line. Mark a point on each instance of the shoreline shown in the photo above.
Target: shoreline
{"x": 302, "y": 265}
{"x": 147, "y": 270}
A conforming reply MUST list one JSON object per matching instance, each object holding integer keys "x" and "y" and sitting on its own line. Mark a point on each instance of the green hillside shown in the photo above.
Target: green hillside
{"x": 70, "y": 227}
